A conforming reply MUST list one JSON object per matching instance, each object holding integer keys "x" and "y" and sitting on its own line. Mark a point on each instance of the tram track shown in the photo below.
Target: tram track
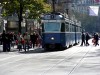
{"x": 66, "y": 58}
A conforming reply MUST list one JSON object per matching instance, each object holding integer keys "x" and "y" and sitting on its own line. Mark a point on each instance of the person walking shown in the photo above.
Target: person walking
{"x": 82, "y": 39}
{"x": 93, "y": 39}
{"x": 87, "y": 38}
{"x": 96, "y": 37}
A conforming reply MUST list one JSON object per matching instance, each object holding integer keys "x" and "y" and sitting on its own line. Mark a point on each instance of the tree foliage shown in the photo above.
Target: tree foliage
{"x": 19, "y": 7}
{"x": 35, "y": 7}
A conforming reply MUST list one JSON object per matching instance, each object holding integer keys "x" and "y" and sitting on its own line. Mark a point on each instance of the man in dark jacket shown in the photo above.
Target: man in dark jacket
{"x": 96, "y": 37}
{"x": 33, "y": 38}
{"x": 87, "y": 38}
{"x": 4, "y": 41}
{"x": 8, "y": 41}
{"x": 83, "y": 39}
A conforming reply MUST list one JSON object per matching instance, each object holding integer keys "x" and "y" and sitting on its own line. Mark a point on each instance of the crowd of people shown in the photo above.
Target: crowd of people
{"x": 23, "y": 41}
{"x": 26, "y": 40}
{"x": 85, "y": 37}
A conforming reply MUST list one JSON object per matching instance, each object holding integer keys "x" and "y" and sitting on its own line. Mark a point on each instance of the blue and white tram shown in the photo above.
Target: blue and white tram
{"x": 58, "y": 32}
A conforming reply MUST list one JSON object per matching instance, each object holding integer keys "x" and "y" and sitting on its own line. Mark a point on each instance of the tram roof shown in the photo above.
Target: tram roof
{"x": 52, "y": 20}
{"x": 51, "y": 16}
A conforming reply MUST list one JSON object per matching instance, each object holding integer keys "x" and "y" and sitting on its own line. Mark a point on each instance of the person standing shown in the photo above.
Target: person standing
{"x": 27, "y": 40}
{"x": 0, "y": 39}
{"x": 33, "y": 38}
{"x": 8, "y": 41}
{"x": 83, "y": 39}
{"x": 4, "y": 41}
{"x": 39, "y": 40}
{"x": 19, "y": 45}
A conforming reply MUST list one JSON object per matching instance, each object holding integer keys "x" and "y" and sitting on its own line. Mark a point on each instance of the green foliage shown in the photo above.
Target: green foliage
{"x": 36, "y": 7}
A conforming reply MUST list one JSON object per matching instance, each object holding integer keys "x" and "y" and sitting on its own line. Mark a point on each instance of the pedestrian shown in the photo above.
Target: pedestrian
{"x": 82, "y": 39}
{"x": 39, "y": 40}
{"x": 93, "y": 39}
{"x": 4, "y": 41}
{"x": 8, "y": 41}
{"x": 23, "y": 42}
{"x": 13, "y": 38}
{"x": 0, "y": 39}
{"x": 33, "y": 38}
{"x": 87, "y": 38}
{"x": 96, "y": 37}
{"x": 19, "y": 38}
{"x": 27, "y": 40}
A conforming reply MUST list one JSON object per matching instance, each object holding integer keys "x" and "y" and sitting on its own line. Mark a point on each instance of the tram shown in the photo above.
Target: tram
{"x": 59, "y": 32}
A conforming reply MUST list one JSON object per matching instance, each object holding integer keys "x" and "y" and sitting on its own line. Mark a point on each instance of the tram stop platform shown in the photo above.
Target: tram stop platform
{"x": 77, "y": 60}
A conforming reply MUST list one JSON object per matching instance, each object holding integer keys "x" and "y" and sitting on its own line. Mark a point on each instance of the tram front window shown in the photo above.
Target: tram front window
{"x": 52, "y": 27}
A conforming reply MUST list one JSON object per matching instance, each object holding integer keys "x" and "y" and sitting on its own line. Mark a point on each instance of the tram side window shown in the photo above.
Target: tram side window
{"x": 67, "y": 27}
{"x": 76, "y": 29}
{"x": 63, "y": 27}
{"x": 80, "y": 30}
{"x": 70, "y": 28}
{"x": 42, "y": 27}
{"x": 73, "y": 29}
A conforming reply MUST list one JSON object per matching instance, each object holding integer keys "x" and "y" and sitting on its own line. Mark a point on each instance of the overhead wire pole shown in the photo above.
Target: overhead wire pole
{"x": 53, "y": 5}
{"x": 68, "y": 7}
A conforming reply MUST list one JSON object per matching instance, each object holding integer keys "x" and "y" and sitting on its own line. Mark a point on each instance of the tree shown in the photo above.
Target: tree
{"x": 36, "y": 7}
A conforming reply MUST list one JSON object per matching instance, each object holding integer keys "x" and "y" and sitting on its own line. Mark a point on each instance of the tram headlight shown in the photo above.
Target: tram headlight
{"x": 52, "y": 38}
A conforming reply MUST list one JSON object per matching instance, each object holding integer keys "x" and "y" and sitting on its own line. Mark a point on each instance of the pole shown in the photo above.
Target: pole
{"x": 53, "y": 5}
{"x": 26, "y": 24}
{"x": 75, "y": 36}
{"x": 20, "y": 17}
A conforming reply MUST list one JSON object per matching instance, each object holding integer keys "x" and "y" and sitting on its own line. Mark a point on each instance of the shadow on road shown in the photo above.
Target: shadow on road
{"x": 38, "y": 50}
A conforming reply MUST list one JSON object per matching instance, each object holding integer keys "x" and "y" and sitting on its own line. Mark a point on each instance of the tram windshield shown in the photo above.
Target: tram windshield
{"x": 52, "y": 27}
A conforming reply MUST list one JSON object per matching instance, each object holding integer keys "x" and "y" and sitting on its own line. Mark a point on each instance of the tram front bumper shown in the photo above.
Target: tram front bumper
{"x": 53, "y": 46}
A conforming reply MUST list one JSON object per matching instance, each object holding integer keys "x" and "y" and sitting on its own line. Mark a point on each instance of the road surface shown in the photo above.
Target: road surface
{"x": 77, "y": 60}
